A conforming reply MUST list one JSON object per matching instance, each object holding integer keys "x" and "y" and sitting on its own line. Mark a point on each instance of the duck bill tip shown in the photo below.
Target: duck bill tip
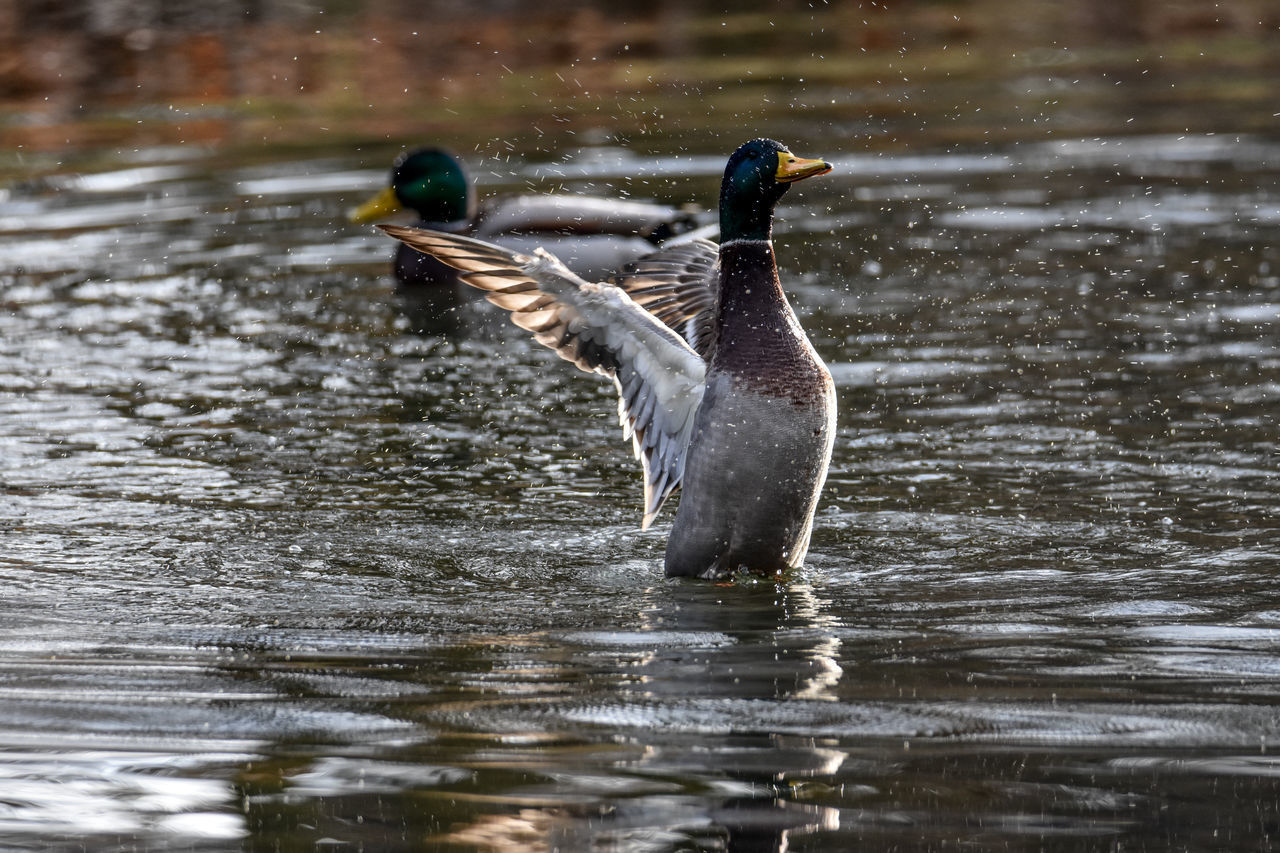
{"x": 792, "y": 168}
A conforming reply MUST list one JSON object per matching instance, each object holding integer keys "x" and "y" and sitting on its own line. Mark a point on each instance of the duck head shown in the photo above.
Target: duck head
{"x": 758, "y": 174}
{"x": 430, "y": 181}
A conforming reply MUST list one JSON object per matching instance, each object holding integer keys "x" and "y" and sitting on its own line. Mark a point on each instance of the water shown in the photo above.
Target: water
{"x": 283, "y": 573}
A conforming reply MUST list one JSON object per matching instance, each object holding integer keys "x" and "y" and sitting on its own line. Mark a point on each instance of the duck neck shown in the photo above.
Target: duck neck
{"x": 444, "y": 212}
{"x": 746, "y": 213}
{"x": 750, "y": 293}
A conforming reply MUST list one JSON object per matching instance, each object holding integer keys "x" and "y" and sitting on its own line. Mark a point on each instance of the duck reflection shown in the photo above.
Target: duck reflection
{"x": 763, "y": 642}
{"x": 700, "y": 759}
{"x": 757, "y": 827}
{"x": 773, "y": 645}
{"x": 690, "y": 729}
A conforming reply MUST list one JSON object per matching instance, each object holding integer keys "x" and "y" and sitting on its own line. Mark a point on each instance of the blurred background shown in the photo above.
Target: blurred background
{"x": 75, "y": 76}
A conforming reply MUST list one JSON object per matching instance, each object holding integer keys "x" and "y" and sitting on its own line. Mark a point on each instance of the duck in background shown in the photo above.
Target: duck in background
{"x": 593, "y": 236}
{"x": 719, "y": 389}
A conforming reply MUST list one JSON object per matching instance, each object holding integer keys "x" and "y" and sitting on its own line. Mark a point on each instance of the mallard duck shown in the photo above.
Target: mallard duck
{"x": 720, "y": 391}
{"x": 593, "y": 235}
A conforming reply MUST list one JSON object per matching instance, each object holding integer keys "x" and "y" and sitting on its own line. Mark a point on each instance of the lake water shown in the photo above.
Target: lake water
{"x": 285, "y": 570}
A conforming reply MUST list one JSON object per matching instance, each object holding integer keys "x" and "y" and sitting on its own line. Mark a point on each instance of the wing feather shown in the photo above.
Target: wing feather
{"x": 678, "y": 285}
{"x": 659, "y": 376}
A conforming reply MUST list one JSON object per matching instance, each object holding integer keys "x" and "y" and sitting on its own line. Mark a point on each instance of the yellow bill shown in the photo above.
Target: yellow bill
{"x": 380, "y": 206}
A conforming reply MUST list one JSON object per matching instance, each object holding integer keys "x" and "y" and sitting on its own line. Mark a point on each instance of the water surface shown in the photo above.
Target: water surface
{"x": 288, "y": 570}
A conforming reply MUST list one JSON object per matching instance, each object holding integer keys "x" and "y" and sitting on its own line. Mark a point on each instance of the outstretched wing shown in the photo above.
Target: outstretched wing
{"x": 598, "y": 327}
{"x": 678, "y": 286}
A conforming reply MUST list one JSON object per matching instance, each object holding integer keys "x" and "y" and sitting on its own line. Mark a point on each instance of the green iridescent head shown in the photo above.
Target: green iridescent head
{"x": 757, "y": 176}
{"x": 429, "y": 181}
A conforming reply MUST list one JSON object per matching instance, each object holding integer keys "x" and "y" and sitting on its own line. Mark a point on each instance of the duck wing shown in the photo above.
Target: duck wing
{"x": 678, "y": 285}
{"x": 598, "y": 327}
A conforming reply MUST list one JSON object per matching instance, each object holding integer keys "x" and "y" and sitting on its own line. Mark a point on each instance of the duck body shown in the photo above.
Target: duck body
{"x": 594, "y": 236}
{"x": 719, "y": 389}
{"x": 762, "y": 438}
